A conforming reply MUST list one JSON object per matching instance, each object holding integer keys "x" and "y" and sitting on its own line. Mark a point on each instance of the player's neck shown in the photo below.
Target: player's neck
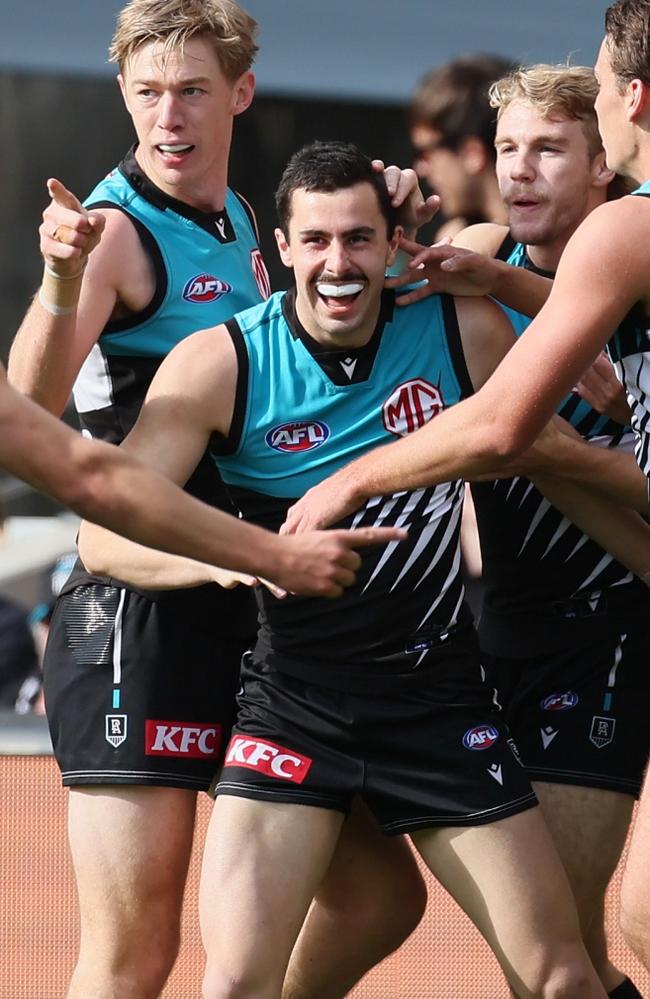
{"x": 207, "y": 191}
{"x": 547, "y": 257}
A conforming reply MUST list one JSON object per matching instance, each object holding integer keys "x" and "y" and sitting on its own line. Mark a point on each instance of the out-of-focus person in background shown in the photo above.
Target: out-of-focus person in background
{"x": 452, "y": 128}
{"x": 18, "y": 658}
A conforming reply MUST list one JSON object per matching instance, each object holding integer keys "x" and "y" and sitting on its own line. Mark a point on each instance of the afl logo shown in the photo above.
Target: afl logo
{"x": 560, "y": 702}
{"x": 410, "y": 406}
{"x": 290, "y": 437}
{"x": 205, "y": 288}
{"x": 260, "y": 274}
{"x": 480, "y": 737}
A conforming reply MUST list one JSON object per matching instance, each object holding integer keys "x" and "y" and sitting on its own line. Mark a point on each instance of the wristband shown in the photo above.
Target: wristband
{"x": 55, "y": 310}
{"x": 59, "y": 293}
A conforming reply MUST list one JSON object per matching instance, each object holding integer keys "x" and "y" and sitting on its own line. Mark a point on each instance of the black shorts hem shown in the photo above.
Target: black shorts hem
{"x": 89, "y": 778}
{"x": 400, "y": 826}
{"x": 624, "y": 785}
{"x": 283, "y": 797}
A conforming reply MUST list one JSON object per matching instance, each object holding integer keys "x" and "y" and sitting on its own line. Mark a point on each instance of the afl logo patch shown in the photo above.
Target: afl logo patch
{"x": 480, "y": 737}
{"x": 290, "y": 437}
{"x": 260, "y": 273}
{"x": 560, "y": 702}
{"x": 205, "y": 288}
{"x": 410, "y": 406}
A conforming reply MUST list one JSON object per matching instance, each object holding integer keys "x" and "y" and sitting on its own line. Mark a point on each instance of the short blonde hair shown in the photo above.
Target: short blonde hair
{"x": 223, "y": 23}
{"x": 565, "y": 90}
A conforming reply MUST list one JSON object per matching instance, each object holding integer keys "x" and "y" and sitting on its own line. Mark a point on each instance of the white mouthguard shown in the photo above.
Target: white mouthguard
{"x": 339, "y": 290}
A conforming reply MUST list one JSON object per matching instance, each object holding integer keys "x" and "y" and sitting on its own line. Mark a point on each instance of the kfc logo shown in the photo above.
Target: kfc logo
{"x": 168, "y": 738}
{"x": 410, "y": 406}
{"x": 269, "y": 759}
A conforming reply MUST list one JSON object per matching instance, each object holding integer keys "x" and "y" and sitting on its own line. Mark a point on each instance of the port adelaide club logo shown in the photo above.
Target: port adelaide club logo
{"x": 300, "y": 436}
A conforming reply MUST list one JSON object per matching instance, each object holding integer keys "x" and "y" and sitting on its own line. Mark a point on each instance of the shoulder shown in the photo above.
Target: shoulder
{"x": 486, "y": 237}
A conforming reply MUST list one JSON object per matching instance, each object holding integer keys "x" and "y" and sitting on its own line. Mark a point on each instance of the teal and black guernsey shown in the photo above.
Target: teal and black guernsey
{"x": 207, "y": 267}
{"x": 547, "y": 584}
{"x": 629, "y": 350}
{"x": 302, "y": 412}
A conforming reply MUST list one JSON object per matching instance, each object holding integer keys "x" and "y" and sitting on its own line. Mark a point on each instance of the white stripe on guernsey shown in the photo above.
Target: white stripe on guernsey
{"x": 442, "y": 548}
{"x": 560, "y": 531}
{"x": 93, "y": 388}
{"x": 529, "y": 489}
{"x": 604, "y": 562}
{"x": 117, "y": 640}
{"x": 439, "y": 504}
{"x": 443, "y": 593}
{"x": 512, "y": 485}
{"x": 618, "y": 655}
{"x": 578, "y": 545}
{"x": 542, "y": 510}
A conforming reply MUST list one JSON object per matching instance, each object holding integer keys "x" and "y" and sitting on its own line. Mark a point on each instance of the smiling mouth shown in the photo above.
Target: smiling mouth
{"x": 167, "y": 149}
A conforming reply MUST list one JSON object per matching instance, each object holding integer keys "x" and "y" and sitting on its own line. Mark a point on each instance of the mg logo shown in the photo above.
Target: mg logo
{"x": 260, "y": 273}
{"x": 410, "y": 406}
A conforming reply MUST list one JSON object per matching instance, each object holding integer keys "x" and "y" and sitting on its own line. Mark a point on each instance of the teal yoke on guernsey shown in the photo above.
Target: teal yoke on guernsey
{"x": 207, "y": 266}
{"x": 546, "y": 583}
{"x": 629, "y": 351}
{"x": 301, "y": 412}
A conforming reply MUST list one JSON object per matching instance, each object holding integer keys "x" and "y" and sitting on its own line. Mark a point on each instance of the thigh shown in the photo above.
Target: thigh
{"x": 366, "y": 861}
{"x": 130, "y": 849}
{"x": 589, "y": 827}
{"x": 135, "y": 694}
{"x": 635, "y": 889}
{"x": 509, "y": 880}
{"x": 262, "y": 863}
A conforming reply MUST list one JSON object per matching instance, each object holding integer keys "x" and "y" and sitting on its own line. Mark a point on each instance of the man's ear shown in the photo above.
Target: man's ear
{"x": 122, "y": 86}
{"x": 243, "y": 92}
{"x": 638, "y": 101}
{"x": 473, "y": 152}
{"x": 601, "y": 175}
{"x": 284, "y": 248}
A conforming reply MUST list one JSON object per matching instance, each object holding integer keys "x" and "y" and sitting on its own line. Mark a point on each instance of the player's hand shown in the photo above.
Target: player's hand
{"x": 443, "y": 268}
{"x": 230, "y": 578}
{"x": 321, "y": 506}
{"x": 602, "y": 390}
{"x": 404, "y": 188}
{"x": 68, "y": 233}
{"x": 324, "y": 563}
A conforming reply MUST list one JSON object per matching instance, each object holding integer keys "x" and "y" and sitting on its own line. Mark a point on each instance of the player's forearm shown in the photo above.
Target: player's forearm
{"x": 39, "y": 360}
{"x": 107, "y": 554}
{"x": 611, "y": 473}
{"x": 520, "y": 289}
{"x": 456, "y": 444}
{"x": 617, "y": 529}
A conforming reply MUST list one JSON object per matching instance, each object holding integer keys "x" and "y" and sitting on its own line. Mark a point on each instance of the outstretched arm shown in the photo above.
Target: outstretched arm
{"x": 109, "y": 486}
{"x": 602, "y": 274}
